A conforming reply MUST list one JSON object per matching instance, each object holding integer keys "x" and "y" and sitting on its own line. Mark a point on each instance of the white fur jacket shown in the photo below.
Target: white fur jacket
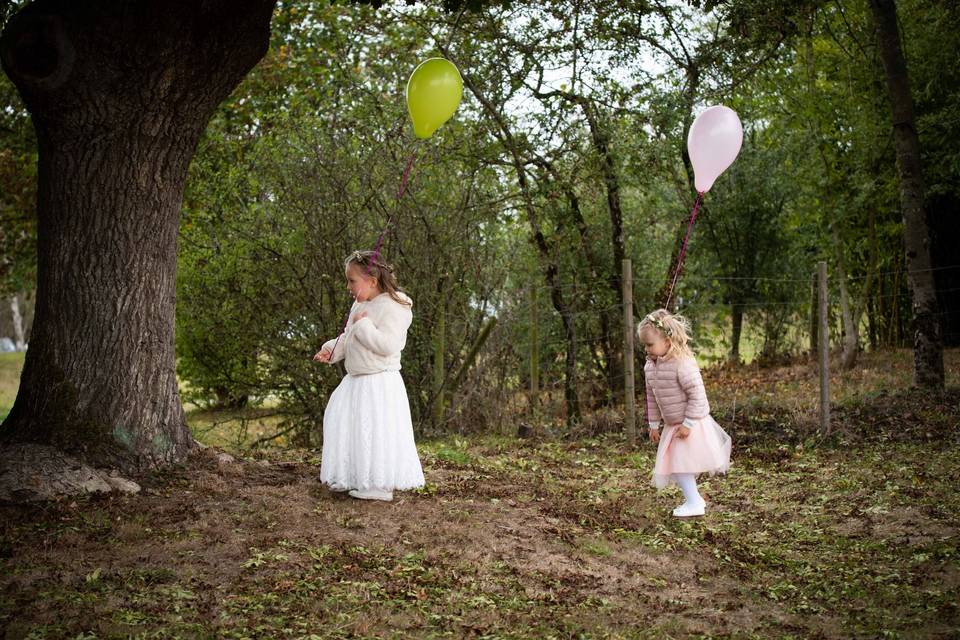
{"x": 373, "y": 344}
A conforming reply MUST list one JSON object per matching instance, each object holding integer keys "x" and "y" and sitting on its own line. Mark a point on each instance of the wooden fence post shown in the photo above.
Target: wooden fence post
{"x": 823, "y": 342}
{"x": 814, "y": 315}
{"x": 534, "y": 355}
{"x": 629, "y": 394}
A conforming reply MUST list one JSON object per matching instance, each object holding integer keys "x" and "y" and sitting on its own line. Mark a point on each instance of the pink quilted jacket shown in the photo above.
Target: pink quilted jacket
{"x": 674, "y": 390}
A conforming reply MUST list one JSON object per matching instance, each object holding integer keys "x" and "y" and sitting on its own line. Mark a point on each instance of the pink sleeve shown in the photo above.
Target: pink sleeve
{"x": 653, "y": 409}
{"x": 692, "y": 384}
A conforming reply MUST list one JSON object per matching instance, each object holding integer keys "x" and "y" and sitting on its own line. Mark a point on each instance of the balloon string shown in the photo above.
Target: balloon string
{"x": 683, "y": 248}
{"x": 400, "y": 192}
{"x": 676, "y": 273}
{"x": 383, "y": 234}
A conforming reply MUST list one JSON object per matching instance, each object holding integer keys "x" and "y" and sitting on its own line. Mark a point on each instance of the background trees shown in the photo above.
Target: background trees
{"x": 567, "y": 155}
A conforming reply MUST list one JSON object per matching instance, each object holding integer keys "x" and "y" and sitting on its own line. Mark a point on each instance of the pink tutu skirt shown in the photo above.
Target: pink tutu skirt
{"x": 705, "y": 450}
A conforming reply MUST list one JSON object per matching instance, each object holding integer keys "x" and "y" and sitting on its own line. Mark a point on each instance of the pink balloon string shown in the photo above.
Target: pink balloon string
{"x": 676, "y": 273}
{"x": 683, "y": 248}
{"x": 383, "y": 234}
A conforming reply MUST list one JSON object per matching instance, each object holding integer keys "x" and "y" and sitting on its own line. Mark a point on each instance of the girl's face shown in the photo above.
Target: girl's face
{"x": 362, "y": 287}
{"x": 655, "y": 343}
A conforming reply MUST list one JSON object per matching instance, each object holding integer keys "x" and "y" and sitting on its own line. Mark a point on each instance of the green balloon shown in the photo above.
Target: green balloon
{"x": 433, "y": 95}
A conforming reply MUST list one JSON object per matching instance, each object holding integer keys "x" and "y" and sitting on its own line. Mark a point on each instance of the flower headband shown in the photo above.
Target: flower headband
{"x": 369, "y": 260}
{"x": 658, "y": 323}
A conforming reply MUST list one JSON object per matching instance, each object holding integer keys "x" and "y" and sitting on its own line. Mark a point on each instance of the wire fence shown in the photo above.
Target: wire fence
{"x": 531, "y": 341}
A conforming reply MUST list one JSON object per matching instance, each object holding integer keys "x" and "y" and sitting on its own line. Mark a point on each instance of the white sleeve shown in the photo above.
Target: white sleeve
{"x": 340, "y": 341}
{"x": 340, "y": 352}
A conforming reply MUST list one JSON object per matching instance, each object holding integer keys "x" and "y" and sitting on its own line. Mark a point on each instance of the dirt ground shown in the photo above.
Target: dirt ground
{"x": 855, "y": 536}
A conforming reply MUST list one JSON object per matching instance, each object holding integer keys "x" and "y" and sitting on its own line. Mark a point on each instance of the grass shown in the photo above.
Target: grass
{"x": 232, "y": 430}
{"x": 236, "y": 430}
{"x": 11, "y": 364}
{"x": 853, "y": 535}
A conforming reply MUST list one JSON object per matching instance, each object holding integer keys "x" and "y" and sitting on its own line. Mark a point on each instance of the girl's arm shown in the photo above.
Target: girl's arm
{"x": 692, "y": 384}
{"x": 388, "y": 338}
{"x": 340, "y": 341}
{"x": 341, "y": 350}
{"x": 653, "y": 409}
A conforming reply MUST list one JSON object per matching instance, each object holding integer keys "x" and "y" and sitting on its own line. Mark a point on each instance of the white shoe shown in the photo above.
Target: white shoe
{"x": 687, "y": 510}
{"x": 371, "y": 494}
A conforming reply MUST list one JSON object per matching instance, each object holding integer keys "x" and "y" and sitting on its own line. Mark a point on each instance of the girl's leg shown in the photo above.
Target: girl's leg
{"x": 688, "y": 484}
{"x": 693, "y": 504}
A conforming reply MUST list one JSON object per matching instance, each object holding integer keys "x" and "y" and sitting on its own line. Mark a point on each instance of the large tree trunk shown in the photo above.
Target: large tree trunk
{"x": 927, "y": 343}
{"x": 119, "y": 94}
{"x": 607, "y": 340}
{"x": 600, "y": 138}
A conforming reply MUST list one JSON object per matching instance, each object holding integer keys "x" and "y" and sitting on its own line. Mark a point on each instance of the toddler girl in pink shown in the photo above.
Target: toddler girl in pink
{"x": 692, "y": 441}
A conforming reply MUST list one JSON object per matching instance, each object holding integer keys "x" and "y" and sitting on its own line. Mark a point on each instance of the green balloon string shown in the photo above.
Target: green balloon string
{"x": 383, "y": 234}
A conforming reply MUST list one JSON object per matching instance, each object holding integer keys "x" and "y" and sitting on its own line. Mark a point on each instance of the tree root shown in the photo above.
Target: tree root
{"x": 34, "y": 472}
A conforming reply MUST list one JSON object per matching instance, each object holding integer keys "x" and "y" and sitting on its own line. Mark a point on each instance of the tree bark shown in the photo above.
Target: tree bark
{"x": 736, "y": 322}
{"x": 608, "y": 343}
{"x": 927, "y": 342}
{"x": 119, "y": 94}
{"x": 850, "y": 321}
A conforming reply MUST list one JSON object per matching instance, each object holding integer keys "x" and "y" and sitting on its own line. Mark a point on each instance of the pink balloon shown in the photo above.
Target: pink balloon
{"x": 713, "y": 144}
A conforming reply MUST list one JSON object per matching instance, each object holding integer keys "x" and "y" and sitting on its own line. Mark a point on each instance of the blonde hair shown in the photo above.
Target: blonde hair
{"x": 372, "y": 265}
{"x": 674, "y": 328}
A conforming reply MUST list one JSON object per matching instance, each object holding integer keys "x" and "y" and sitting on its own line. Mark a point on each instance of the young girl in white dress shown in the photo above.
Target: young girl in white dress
{"x": 368, "y": 445}
{"x": 692, "y": 441}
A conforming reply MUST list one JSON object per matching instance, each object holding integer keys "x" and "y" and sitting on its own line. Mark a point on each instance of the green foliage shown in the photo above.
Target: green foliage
{"x": 302, "y": 164}
{"x": 10, "y": 366}
{"x": 8, "y": 8}
{"x": 18, "y": 175}
{"x": 299, "y": 169}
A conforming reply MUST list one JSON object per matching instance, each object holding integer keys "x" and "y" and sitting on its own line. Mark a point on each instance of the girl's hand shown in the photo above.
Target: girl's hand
{"x": 322, "y": 356}
{"x": 654, "y": 435}
{"x": 358, "y": 317}
{"x": 682, "y": 431}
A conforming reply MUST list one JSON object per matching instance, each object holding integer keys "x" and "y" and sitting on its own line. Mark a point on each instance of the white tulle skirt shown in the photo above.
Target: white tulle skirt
{"x": 368, "y": 435}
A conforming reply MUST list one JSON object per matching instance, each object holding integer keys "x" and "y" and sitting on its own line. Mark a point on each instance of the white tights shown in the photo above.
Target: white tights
{"x": 688, "y": 484}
